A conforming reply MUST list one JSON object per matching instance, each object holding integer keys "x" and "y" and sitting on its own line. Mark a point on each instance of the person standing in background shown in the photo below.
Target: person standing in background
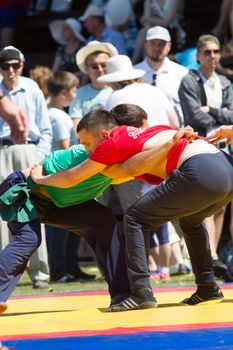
{"x": 14, "y": 156}
{"x": 207, "y": 102}
{"x": 62, "y": 244}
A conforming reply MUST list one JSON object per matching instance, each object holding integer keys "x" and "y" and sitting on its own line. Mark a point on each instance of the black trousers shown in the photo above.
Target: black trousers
{"x": 91, "y": 220}
{"x": 202, "y": 186}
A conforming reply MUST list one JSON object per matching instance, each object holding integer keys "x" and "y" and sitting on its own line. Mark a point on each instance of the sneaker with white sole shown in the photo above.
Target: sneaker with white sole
{"x": 131, "y": 304}
{"x": 205, "y": 294}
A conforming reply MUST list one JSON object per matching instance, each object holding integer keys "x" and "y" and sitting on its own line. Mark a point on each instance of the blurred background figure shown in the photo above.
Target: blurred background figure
{"x": 119, "y": 15}
{"x": 94, "y": 22}
{"x": 41, "y": 74}
{"x": 10, "y": 13}
{"x": 67, "y": 33}
{"x": 165, "y": 13}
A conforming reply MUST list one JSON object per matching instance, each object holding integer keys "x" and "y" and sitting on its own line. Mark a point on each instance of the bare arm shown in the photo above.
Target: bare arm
{"x": 16, "y": 119}
{"x": 64, "y": 144}
{"x": 224, "y": 132}
{"x": 146, "y": 161}
{"x": 69, "y": 177}
{"x": 156, "y": 21}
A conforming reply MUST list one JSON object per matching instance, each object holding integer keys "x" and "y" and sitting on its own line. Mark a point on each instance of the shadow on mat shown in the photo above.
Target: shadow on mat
{"x": 161, "y": 306}
{"x": 34, "y": 313}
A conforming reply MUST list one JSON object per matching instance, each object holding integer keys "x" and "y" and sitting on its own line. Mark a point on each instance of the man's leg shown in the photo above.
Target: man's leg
{"x": 96, "y": 224}
{"x": 14, "y": 257}
{"x": 201, "y": 187}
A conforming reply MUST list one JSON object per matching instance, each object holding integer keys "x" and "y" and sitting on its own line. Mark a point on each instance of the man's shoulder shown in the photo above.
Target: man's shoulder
{"x": 142, "y": 65}
{"x": 28, "y": 83}
{"x": 176, "y": 67}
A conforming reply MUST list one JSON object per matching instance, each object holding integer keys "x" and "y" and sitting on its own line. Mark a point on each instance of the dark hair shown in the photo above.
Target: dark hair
{"x": 129, "y": 114}
{"x": 97, "y": 120}
{"x": 61, "y": 80}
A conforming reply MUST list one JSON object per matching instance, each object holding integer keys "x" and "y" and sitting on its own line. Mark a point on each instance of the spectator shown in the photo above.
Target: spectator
{"x": 94, "y": 22}
{"x": 224, "y": 26}
{"x": 10, "y": 13}
{"x": 67, "y": 33}
{"x": 207, "y": 102}
{"x": 119, "y": 15}
{"x": 25, "y": 93}
{"x": 91, "y": 60}
{"x": 160, "y": 70}
{"x": 63, "y": 245}
{"x": 165, "y": 13}
{"x": 41, "y": 74}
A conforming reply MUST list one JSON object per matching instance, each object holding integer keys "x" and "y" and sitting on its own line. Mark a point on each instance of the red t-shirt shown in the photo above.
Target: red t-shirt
{"x": 125, "y": 141}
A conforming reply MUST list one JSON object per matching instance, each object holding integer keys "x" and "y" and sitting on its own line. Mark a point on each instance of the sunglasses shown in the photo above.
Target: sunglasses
{"x": 6, "y": 66}
{"x": 208, "y": 52}
{"x": 96, "y": 66}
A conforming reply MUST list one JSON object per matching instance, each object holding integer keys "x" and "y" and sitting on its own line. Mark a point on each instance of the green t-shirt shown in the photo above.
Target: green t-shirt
{"x": 86, "y": 190}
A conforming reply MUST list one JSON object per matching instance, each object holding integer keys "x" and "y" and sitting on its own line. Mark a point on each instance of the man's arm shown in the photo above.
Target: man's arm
{"x": 69, "y": 177}
{"x": 136, "y": 165}
{"x": 15, "y": 117}
{"x": 146, "y": 161}
{"x": 224, "y": 132}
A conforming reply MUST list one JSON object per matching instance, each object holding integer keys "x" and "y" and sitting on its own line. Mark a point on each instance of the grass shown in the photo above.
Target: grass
{"x": 24, "y": 287}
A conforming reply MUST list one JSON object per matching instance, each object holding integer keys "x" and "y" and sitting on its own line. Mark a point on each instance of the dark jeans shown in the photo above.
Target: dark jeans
{"x": 91, "y": 220}
{"x": 62, "y": 252}
{"x": 202, "y": 186}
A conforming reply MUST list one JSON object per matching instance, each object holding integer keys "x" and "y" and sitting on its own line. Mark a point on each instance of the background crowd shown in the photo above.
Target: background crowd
{"x": 104, "y": 53}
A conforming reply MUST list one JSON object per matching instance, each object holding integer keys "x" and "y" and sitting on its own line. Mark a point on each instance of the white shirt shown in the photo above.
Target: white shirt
{"x": 62, "y": 127}
{"x": 148, "y": 97}
{"x": 168, "y": 79}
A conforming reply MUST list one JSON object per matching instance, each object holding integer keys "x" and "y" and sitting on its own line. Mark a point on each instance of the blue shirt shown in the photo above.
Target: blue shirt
{"x": 112, "y": 36}
{"x": 88, "y": 99}
{"x": 30, "y": 98}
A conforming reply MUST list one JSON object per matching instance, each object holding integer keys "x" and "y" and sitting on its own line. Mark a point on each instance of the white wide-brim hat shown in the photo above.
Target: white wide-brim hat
{"x": 120, "y": 68}
{"x": 92, "y": 47}
{"x": 117, "y": 12}
{"x": 55, "y": 28}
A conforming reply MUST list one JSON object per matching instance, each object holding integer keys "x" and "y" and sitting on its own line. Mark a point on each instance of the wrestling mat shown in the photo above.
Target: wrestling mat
{"x": 78, "y": 321}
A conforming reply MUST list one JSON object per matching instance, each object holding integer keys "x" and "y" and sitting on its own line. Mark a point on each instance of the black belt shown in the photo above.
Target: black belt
{"x": 6, "y": 142}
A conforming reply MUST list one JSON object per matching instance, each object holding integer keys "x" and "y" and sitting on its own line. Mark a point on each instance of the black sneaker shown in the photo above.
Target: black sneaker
{"x": 204, "y": 294}
{"x": 81, "y": 275}
{"x": 132, "y": 303}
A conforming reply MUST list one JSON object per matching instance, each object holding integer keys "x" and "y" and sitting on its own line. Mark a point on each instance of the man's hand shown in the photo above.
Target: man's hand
{"x": 224, "y": 132}
{"x": 16, "y": 119}
{"x": 36, "y": 173}
{"x": 186, "y": 131}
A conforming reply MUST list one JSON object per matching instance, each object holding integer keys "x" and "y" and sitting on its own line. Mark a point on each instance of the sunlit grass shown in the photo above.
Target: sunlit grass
{"x": 24, "y": 286}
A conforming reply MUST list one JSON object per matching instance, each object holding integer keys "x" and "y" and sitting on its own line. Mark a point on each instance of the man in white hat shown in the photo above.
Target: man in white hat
{"x": 94, "y": 21}
{"x": 91, "y": 60}
{"x": 160, "y": 70}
